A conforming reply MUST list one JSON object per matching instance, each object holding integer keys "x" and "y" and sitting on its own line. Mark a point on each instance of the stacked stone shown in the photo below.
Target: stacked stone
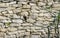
{"x": 20, "y": 18}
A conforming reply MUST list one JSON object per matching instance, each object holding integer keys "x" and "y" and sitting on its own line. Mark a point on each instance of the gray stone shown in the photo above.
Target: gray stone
{"x": 40, "y": 18}
{"x": 26, "y": 24}
{"x": 22, "y": 0}
{"x": 12, "y": 29}
{"x": 12, "y": 36}
{"x": 4, "y": 12}
{"x": 33, "y": 16}
{"x": 19, "y": 28}
{"x": 41, "y": 4}
{"x": 22, "y": 3}
{"x": 1, "y": 24}
{"x": 2, "y": 17}
{"x": 38, "y": 24}
{"x": 30, "y": 20}
{"x": 15, "y": 24}
{"x": 26, "y": 6}
{"x": 3, "y": 5}
{"x": 14, "y": 2}
{"x": 6, "y": 21}
{"x": 36, "y": 11}
{"x": 10, "y": 11}
{"x": 41, "y": 14}
{"x": 47, "y": 15}
{"x": 34, "y": 0}
{"x": 35, "y": 36}
{"x": 35, "y": 7}
{"x": 24, "y": 13}
{"x": 2, "y": 34}
{"x": 46, "y": 22}
{"x": 1, "y": 37}
{"x": 43, "y": 11}
{"x": 15, "y": 16}
{"x": 18, "y": 10}
{"x": 11, "y": 33}
{"x": 17, "y": 21}
{"x": 7, "y": 36}
{"x": 3, "y": 29}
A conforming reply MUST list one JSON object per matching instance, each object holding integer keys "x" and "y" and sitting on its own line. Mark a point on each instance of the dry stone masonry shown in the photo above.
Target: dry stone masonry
{"x": 27, "y": 18}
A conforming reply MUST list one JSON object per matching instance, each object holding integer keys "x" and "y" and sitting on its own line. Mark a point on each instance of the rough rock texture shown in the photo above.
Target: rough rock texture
{"x": 23, "y": 18}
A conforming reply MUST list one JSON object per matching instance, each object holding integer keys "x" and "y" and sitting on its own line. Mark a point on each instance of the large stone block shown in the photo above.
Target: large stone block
{"x": 26, "y": 6}
{"x": 35, "y": 36}
{"x": 2, "y": 17}
{"x": 2, "y": 34}
{"x": 15, "y": 24}
{"x": 22, "y": 0}
{"x": 41, "y": 4}
{"x": 24, "y": 13}
{"x": 26, "y": 24}
{"x": 3, "y": 5}
{"x": 17, "y": 21}
{"x": 35, "y": 11}
{"x": 11, "y": 33}
{"x": 12, "y": 29}
{"x": 3, "y": 30}
{"x": 30, "y": 20}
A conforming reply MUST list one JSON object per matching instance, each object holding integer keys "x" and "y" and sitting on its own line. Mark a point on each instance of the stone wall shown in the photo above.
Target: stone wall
{"x": 23, "y": 18}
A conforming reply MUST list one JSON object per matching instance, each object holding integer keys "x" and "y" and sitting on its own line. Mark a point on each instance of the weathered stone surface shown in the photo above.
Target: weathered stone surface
{"x": 3, "y": 29}
{"x": 47, "y": 15}
{"x": 15, "y": 24}
{"x": 35, "y": 11}
{"x": 56, "y": 5}
{"x": 10, "y": 11}
{"x": 30, "y": 20}
{"x": 22, "y": 0}
{"x": 17, "y": 21}
{"x": 41, "y": 4}
{"x": 22, "y": 3}
{"x": 56, "y": 8}
{"x": 26, "y": 24}
{"x": 2, "y": 17}
{"x": 24, "y": 13}
{"x": 38, "y": 24}
{"x": 19, "y": 28}
{"x": 27, "y": 33}
{"x": 3, "y": 5}
{"x": 46, "y": 22}
{"x": 43, "y": 11}
{"x": 33, "y": 15}
{"x": 15, "y": 16}
{"x": 2, "y": 34}
{"x": 41, "y": 14}
{"x": 1, "y": 24}
{"x": 40, "y": 18}
{"x": 6, "y": 21}
{"x": 12, "y": 29}
{"x": 4, "y": 12}
{"x": 34, "y": 7}
{"x": 26, "y": 6}
{"x": 11, "y": 33}
{"x": 22, "y": 18}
